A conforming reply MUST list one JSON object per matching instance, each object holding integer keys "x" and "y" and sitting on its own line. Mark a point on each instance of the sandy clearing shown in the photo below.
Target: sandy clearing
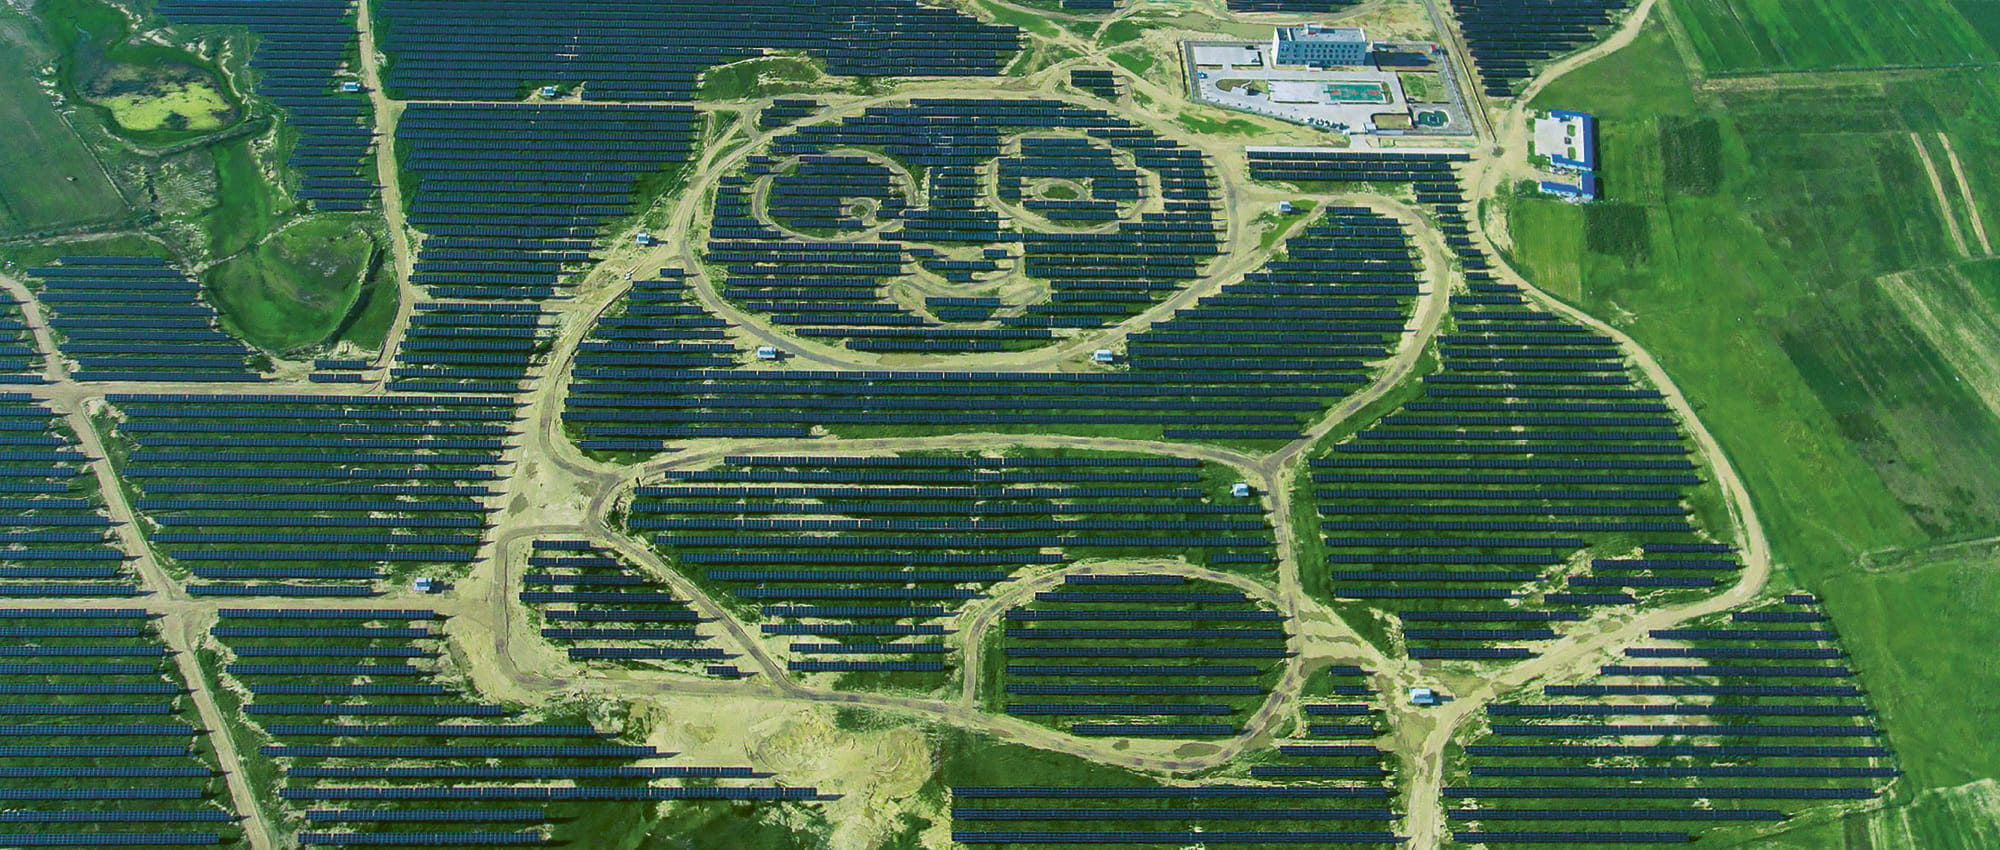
{"x": 877, "y": 771}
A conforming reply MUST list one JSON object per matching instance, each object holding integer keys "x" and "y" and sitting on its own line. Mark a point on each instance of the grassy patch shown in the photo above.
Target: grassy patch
{"x": 1140, "y": 61}
{"x": 1960, "y": 818}
{"x": 761, "y": 77}
{"x": 147, "y": 91}
{"x": 1119, "y": 32}
{"x": 295, "y": 288}
{"x": 1936, "y": 688}
{"x": 367, "y": 324}
{"x": 24, "y": 255}
{"x": 1253, "y": 87}
{"x": 1219, "y": 126}
{"x": 247, "y": 204}
{"x": 1690, "y": 155}
{"x": 1616, "y": 229}
{"x": 1038, "y": 55}
{"x": 1423, "y": 88}
{"x": 1747, "y": 35}
{"x": 1735, "y": 288}
{"x": 155, "y": 100}
{"x": 1777, "y": 222}
{"x": 48, "y": 177}
{"x": 1548, "y": 237}
{"x": 687, "y": 826}
{"x": 1026, "y": 19}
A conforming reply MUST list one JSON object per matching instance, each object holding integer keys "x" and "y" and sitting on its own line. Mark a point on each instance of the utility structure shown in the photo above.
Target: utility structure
{"x": 1319, "y": 46}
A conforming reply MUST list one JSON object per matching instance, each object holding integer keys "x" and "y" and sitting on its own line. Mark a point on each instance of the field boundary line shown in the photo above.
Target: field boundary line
{"x": 1957, "y": 336}
{"x": 1683, "y": 41}
{"x": 1965, "y": 193}
{"x": 1896, "y": 558}
{"x": 1943, "y": 197}
{"x": 103, "y": 170}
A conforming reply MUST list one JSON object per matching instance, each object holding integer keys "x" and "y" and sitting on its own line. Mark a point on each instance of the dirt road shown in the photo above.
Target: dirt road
{"x": 394, "y": 205}
{"x": 1576, "y": 655}
{"x": 553, "y": 489}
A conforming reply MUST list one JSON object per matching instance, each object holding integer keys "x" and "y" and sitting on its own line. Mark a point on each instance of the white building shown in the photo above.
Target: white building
{"x": 1319, "y": 46}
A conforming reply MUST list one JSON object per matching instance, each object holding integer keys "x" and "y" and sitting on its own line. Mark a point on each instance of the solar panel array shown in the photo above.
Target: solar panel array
{"x": 301, "y": 61}
{"x": 312, "y": 495}
{"x": 1431, "y": 174}
{"x": 1141, "y": 223}
{"x": 510, "y": 196}
{"x": 1097, "y": 81}
{"x": 1333, "y": 735}
{"x": 1230, "y": 367}
{"x": 345, "y": 370}
{"x": 1532, "y": 443}
{"x": 1469, "y": 507}
{"x": 1142, "y": 654}
{"x": 55, "y": 539}
{"x": 1508, "y": 39}
{"x": 136, "y": 319}
{"x": 783, "y": 111}
{"x": 863, "y": 559}
{"x": 380, "y": 741}
{"x": 470, "y": 346}
{"x": 1744, "y": 718}
{"x": 633, "y": 50}
{"x": 1328, "y": 783}
{"x": 602, "y": 609}
{"x": 103, "y": 747}
{"x": 20, "y": 360}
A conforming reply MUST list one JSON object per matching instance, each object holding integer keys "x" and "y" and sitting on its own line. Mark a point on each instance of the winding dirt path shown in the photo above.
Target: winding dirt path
{"x": 1512, "y": 132}
{"x": 394, "y": 205}
{"x": 552, "y": 478}
{"x": 1575, "y": 656}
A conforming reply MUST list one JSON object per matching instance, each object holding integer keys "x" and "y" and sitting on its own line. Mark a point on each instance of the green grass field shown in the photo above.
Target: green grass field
{"x": 1752, "y": 276}
{"x": 295, "y": 288}
{"x": 246, "y": 206}
{"x": 48, "y": 178}
{"x": 367, "y": 325}
{"x": 1782, "y": 253}
{"x": 140, "y": 89}
{"x": 760, "y": 77}
{"x": 1139, "y": 61}
{"x": 1758, "y": 35}
{"x": 1933, "y": 686}
{"x": 1422, "y": 88}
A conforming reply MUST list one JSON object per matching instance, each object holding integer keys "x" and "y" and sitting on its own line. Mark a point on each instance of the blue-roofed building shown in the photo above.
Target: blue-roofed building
{"x": 1584, "y": 189}
{"x": 1568, "y": 139}
{"x": 1568, "y": 142}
